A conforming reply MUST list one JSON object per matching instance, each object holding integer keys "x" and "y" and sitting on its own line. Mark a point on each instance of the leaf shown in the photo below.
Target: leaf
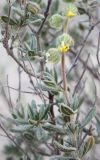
{"x": 82, "y": 10}
{"x": 18, "y": 11}
{"x": 52, "y": 90}
{"x": 98, "y": 124}
{"x": 31, "y": 45}
{"x": 37, "y": 1}
{"x": 63, "y": 148}
{"x": 62, "y": 158}
{"x": 72, "y": 128}
{"x": 11, "y": 149}
{"x": 48, "y": 76}
{"x": 68, "y": 0}
{"x": 76, "y": 101}
{"x": 53, "y": 128}
{"x": 33, "y": 112}
{"x": 28, "y": 136}
{"x": 49, "y": 83}
{"x": 43, "y": 112}
{"x": 39, "y": 132}
{"x": 55, "y": 75}
{"x": 65, "y": 110}
{"x": 6, "y": 19}
{"x": 88, "y": 118}
{"x": 13, "y": 120}
{"x": 21, "y": 128}
{"x": 37, "y": 19}
{"x": 54, "y": 6}
{"x": 33, "y": 7}
{"x": 87, "y": 146}
{"x": 18, "y": 112}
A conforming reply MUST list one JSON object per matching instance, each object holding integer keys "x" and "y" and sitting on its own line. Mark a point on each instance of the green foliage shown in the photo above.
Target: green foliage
{"x": 54, "y": 6}
{"x": 88, "y": 118}
{"x": 64, "y": 148}
{"x": 65, "y": 110}
{"x": 86, "y": 146}
{"x": 6, "y": 20}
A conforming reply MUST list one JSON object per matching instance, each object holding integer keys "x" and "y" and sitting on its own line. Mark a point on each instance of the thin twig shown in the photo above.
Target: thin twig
{"x": 19, "y": 84}
{"x": 80, "y": 51}
{"x": 39, "y": 31}
{"x": 45, "y": 16}
{"x": 10, "y": 137}
{"x": 98, "y": 50}
{"x": 75, "y": 89}
{"x": 84, "y": 42}
{"x": 88, "y": 67}
{"x": 10, "y": 101}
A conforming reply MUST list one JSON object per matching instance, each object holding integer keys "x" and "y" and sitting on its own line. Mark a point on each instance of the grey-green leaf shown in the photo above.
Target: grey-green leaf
{"x": 63, "y": 148}
{"x": 66, "y": 110}
{"x": 6, "y": 19}
{"x": 39, "y": 132}
{"x": 53, "y": 128}
{"x": 62, "y": 158}
{"x": 88, "y": 118}
{"x": 54, "y": 7}
{"x": 88, "y": 144}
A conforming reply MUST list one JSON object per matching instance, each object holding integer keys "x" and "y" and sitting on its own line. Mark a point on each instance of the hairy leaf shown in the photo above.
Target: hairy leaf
{"x": 63, "y": 148}
{"x": 88, "y": 118}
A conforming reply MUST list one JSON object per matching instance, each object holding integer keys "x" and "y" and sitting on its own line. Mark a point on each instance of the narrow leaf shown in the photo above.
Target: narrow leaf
{"x": 65, "y": 110}
{"x": 63, "y": 148}
{"x": 88, "y": 118}
{"x": 87, "y": 146}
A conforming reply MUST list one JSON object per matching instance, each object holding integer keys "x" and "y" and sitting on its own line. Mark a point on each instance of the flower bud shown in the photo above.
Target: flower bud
{"x": 33, "y": 7}
{"x": 64, "y": 42}
{"x": 71, "y": 10}
{"x": 53, "y": 55}
{"x": 56, "y": 21}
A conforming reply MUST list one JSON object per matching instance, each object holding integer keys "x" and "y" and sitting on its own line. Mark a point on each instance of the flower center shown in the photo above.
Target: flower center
{"x": 63, "y": 47}
{"x": 71, "y": 14}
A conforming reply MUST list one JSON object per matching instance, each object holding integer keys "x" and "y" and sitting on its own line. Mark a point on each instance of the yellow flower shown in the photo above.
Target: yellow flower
{"x": 63, "y": 47}
{"x": 71, "y": 10}
{"x": 64, "y": 42}
{"x": 71, "y": 14}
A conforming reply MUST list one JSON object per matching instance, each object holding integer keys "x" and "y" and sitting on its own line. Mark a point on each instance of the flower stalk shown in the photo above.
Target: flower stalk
{"x": 63, "y": 70}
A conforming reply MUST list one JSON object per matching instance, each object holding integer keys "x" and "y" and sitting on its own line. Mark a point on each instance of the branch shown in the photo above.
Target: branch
{"x": 17, "y": 145}
{"x": 78, "y": 55}
{"x": 45, "y": 16}
{"x": 98, "y": 50}
{"x": 84, "y": 42}
{"x": 75, "y": 89}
